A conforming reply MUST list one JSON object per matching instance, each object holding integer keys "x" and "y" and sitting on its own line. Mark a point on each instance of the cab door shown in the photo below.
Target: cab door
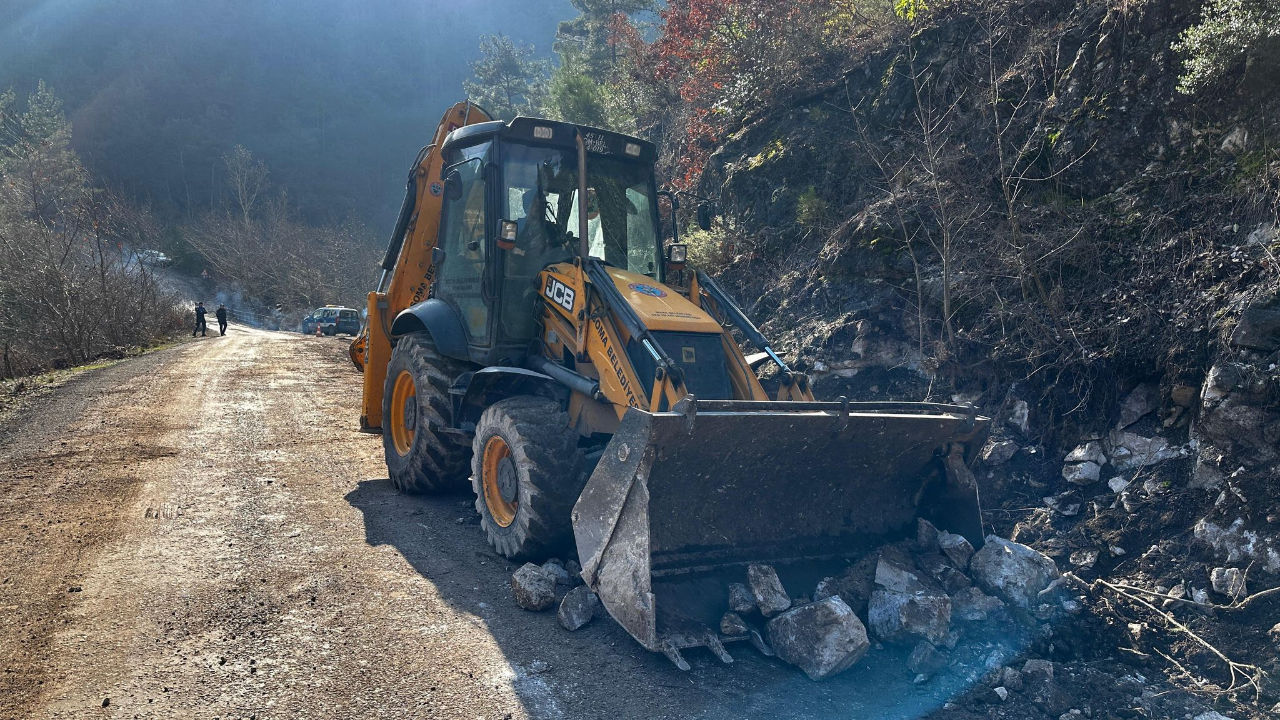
{"x": 464, "y": 237}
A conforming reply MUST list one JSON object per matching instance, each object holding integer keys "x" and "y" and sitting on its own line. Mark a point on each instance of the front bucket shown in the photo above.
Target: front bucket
{"x": 682, "y": 501}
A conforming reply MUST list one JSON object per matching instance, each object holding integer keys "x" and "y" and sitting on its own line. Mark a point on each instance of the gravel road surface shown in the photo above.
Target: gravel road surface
{"x": 203, "y": 533}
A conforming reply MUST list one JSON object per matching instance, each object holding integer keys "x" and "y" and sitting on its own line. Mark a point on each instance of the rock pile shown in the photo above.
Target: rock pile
{"x": 917, "y": 595}
{"x": 920, "y": 595}
{"x": 536, "y": 588}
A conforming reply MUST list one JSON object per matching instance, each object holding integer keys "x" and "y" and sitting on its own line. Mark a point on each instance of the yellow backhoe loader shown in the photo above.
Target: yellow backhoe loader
{"x": 529, "y": 332}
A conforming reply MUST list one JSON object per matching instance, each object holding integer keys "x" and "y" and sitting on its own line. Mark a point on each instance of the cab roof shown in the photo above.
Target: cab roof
{"x": 537, "y": 131}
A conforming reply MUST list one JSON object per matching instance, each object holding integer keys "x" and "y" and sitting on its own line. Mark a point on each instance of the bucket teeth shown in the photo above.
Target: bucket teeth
{"x": 716, "y": 647}
{"x": 673, "y": 654}
{"x": 673, "y": 641}
{"x": 759, "y": 642}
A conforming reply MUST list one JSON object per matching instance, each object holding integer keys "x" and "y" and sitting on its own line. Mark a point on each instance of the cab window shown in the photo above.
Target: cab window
{"x": 463, "y": 237}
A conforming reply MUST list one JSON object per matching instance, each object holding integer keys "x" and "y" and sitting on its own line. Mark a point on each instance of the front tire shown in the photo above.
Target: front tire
{"x": 527, "y": 472}
{"x": 415, "y": 406}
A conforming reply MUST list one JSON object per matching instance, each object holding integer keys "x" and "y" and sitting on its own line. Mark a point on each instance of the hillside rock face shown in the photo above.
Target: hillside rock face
{"x": 1015, "y": 207}
{"x": 1088, "y": 222}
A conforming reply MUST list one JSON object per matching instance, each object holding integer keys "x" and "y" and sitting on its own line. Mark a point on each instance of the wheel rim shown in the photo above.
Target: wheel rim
{"x": 499, "y": 481}
{"x": 404, "y": 413}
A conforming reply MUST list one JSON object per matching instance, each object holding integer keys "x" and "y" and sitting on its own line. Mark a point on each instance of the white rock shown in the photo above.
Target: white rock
{"x": 903, "y": 609}
{"x": 1235, "y": 141}
{"x": 1088, "y": 452}
{"x": 1130, "y": 450}
{"x": 577, "y": 608}
{"x": 1222, "y": 379}
{"x": 999, "y": 452}
{"x": 1084, "y": 473}
{"x": 1211, "y": 715}
{"x": 533, "y": 588}
{"x": 955, "y": 547}
{"x": 900, "y": 617}
{"x": 1020, "y": 416}
{"x": 822, "y": 638}
{"x": 1229, "y": 582}
{"x": 1002, "y": 693}
{"x": 767, "y": 589}
{"x": 1117, "y": 484}
{"x": 1144, "y": 399}
{"x": 892, "y": 576}
{"x": 1236, "y": 545}
{"x": 1205, "y": 476}
{"x": 1012, "y": 571}
{"x": 1264, "y": 234}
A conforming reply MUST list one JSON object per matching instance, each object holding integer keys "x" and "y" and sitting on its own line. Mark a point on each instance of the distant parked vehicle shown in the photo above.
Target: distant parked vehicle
{"x": 155, "y": 258}
{"x": 332, "y": 320}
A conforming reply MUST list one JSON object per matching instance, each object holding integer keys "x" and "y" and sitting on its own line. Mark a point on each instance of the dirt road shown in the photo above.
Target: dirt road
{"x": 202, "y": 533}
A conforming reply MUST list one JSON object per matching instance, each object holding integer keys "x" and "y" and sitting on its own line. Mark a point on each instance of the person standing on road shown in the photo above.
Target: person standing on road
{"x": 200, "y": 325}
{"x": 221, "y": 314}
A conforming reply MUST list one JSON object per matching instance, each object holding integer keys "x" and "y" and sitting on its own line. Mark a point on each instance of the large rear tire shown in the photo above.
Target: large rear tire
{"x": 415, "y": 406}
{"x": 527, "y": 472}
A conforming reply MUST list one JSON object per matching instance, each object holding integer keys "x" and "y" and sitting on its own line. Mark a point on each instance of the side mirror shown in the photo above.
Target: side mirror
{"x": 453, "y": 186}
{"x": 704, "y": 216}
{"x": 677, "y": 256}
{"x": 437, "y": 257}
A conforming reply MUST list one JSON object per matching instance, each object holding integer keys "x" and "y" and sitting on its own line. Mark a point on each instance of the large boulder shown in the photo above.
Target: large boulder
{"x": 853, "y": 585}
{"x": 955, "y": 547}
{"x": 1259, "y": 327}
{"x": 577, "y": 608}
{"x": 1139, "y": 403}
{"x": 973, "y": 605}
{"x": 1085, "y": 473}
{"x": 533, "y": 588}
{"x": 1131, "y": 450}
{"x": 1088, "y": 452}
{"x": 906, "y": 609}
{"x": 767, "y": 589}
{"x": 999, "y": 452}
{"x": 925, "y": 659}
{"x": 1012, "y": 571}
{"x": 740, "y": 598}
{"x": 1239, "y": 413}
{"x": 821, "y": 638}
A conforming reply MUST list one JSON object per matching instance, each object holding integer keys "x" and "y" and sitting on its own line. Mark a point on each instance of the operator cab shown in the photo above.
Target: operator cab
{"x": 510, "y": 209}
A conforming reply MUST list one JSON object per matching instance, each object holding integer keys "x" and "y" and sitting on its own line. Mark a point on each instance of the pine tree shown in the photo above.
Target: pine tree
{"x": 590, "y": 39}
{"x": 508, "y": 78}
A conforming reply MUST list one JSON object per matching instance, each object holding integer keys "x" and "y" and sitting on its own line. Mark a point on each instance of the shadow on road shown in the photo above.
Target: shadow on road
{"x": 600, "y": 671}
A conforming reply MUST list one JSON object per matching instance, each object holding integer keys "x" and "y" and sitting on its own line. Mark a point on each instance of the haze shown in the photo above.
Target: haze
{"x": 336, "y": 96}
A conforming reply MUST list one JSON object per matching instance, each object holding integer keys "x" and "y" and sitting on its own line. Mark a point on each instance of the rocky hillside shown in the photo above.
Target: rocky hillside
{"x": 1015, "y": 206}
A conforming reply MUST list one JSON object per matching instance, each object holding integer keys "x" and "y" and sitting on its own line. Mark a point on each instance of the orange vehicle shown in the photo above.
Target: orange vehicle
{"x": 531, "y": 334}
